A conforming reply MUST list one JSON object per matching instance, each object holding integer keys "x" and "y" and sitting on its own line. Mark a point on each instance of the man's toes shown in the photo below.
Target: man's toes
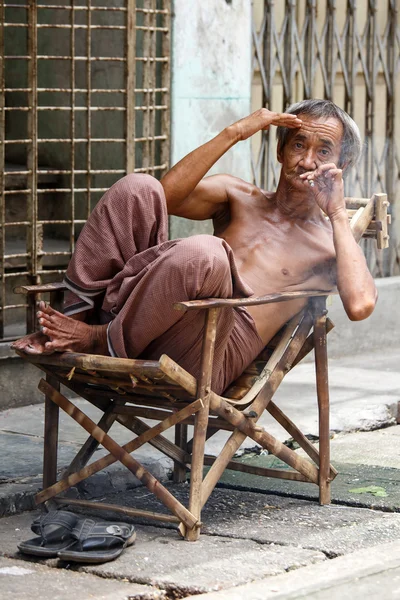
{"x": 31, "y": 350}
{"x": 52, "y": 347}
{"x": 34, "y": 349}
{"x": 19, "y": 344}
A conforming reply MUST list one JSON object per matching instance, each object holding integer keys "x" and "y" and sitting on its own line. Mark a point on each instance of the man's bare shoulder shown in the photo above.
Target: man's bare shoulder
{"x": 246, "y": 205}
{"x": 232, "y": 184}
{"x": 244, "y": 192}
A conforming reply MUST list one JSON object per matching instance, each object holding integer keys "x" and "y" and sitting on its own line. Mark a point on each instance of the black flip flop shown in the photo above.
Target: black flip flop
{"x": 55, "y": 534}
{"x": 98, "y": 541}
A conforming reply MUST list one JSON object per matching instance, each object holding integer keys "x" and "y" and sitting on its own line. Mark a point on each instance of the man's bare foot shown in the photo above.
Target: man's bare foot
{"x": 63, "y": 334}
{"x": 35, "y": 343}
{"x": 70, "y": 335}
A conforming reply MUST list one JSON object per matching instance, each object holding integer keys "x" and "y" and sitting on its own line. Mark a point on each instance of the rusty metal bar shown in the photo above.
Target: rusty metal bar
{"x": 32, "y": 261}
{"x": 80, "y": 7}
{"x": 268, "y": 70}
{"x": 389, "y": 260}
{"x": 130, "y": 86}
{"x": 2, "y": 170}
{"x": 373, "y": 77}
{"x": 152, "y": 82}
{"x": 147, "y": 84}
{"x": 165, "y": 83}
{"x": 89, "y": 121}
{"x": 329, "y": 47}
{"x": 350, "y": 53}
{"x": 72, "y": 179}
{"x": 85, "y": 58}
{"x": 309, "y": 47}
{"x": 289, "y": 51}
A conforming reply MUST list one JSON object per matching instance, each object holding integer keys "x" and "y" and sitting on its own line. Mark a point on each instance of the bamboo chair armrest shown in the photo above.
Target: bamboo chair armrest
{"x": 370, "y": 218}
{"x": 41, "y": 288}
{"x": 235, "y": 302}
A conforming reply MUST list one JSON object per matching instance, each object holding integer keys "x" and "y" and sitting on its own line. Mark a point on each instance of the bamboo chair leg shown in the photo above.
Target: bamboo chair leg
{"x": 181, "y": 436}
{"x": 321, "y": 367}
{"x": 201, "y": 422}
{"x": 51, "y": 419}
{"x": 91, "y": 445}
{"x": 51, "y": 415}
{"x": 297, "y": 435}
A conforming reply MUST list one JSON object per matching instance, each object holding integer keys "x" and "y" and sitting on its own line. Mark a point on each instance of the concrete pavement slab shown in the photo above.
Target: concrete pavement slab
{"x": 14, "y": 530}
{"x": 16, "y": 497}
{"x": 247, "y": 537}
{"x": 332, "y": 529}
{"x": 214, "y": 562}
{"x": 375, "y": 448}
{"x": 161, "y": 559}
{"x": 363, "y": 575}
{"x": 29, "y": 420}
{"x": 25, "y": 455}
{"x": 28, "y": 581}
{"x": 350, "y": 477}
{"x": 377, "y": 359}
{"x": 269, "y": 518}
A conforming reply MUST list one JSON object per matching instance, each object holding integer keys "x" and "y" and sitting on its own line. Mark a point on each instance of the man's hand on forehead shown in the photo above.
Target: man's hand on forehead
{"x": 261, "y": 120}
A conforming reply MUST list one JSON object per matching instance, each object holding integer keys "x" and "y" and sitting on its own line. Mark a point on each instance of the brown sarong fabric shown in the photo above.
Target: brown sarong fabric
{"x": 125, "y": 268}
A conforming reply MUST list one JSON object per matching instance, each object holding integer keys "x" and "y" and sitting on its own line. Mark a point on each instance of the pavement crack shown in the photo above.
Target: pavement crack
{"x": 294, "y": 495}
{"x": 263, "y": 542}
{"x": 386, "y": 509}
{"x": 170, "y": 591}
{"x": 30, "y": 435}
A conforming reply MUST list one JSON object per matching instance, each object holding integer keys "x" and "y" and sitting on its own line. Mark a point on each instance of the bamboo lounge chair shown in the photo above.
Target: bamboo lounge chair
{"x": 128, "y": 391}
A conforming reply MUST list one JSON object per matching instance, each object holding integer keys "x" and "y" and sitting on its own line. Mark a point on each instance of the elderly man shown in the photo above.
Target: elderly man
{"x": 125, "y": 275}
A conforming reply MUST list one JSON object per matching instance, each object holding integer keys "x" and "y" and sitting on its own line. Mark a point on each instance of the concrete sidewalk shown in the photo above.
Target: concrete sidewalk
{"x": 262, "y": 538}
{"x": 366, "y": 574}
{"x": 255, "y": 543}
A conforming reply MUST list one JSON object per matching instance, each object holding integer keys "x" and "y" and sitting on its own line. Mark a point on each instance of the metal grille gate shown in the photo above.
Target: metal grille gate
{"x": 347, "y": 51}
{"x": 84, "y": 100}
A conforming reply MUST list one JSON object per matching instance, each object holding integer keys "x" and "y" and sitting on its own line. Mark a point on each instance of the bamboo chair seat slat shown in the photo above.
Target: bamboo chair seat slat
{"x": 102, "y": 365}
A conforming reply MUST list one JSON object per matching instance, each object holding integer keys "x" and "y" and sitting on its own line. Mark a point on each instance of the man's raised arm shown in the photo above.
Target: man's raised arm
{"x": 186, "y": 195}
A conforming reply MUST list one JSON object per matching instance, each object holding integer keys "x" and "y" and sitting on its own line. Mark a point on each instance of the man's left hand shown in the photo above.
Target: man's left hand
{"x": 326, "y": 182}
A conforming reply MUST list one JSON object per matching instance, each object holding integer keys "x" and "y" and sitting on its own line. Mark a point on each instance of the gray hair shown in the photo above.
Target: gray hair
{"x": 351, "y": 141}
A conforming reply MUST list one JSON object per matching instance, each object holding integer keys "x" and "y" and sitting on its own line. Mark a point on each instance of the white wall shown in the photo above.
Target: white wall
{"x": 211, "y": 84}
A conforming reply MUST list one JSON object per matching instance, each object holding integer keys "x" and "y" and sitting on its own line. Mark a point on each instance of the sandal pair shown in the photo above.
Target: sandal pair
{"x": 71, "y": 537}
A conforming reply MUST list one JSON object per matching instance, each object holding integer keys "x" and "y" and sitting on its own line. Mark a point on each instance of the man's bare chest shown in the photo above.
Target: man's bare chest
{"x": 285, "y": 256}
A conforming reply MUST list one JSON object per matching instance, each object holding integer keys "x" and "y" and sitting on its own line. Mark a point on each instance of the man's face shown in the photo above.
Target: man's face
{"x": 318, "y": 141}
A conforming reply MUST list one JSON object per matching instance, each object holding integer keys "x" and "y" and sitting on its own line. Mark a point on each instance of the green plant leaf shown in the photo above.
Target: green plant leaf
{"x": 375, "y": 490}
